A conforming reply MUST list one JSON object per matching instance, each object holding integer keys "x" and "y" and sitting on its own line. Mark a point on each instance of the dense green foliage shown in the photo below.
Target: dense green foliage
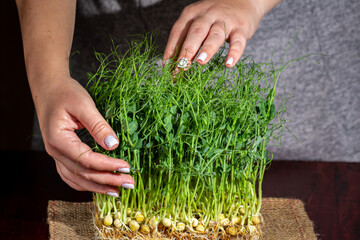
{"x": 196, "y": 147}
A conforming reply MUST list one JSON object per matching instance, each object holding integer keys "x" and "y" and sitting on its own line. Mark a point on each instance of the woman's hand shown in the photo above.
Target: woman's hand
{"x": 62, "y": 104}
{"x": 204, "y": 26}
{"x": 63, "y": 107}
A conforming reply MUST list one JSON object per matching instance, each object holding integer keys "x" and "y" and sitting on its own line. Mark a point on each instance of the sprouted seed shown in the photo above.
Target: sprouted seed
{"x": 256, "y": 220}
{"x": 166, "y": 222}
{"x": 180, "y": 226}
{"x": 139, "y": 217}
{"x": 108, "y": 220}
{"x": 145, "y": 229}
{"x": 134, "y": 225}
{"x": 200, "y": 228}
{"x": 231, "y": 230}
{"x": 117, "y": 223}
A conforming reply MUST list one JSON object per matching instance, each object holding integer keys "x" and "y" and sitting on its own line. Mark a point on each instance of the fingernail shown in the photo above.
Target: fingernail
{"x": 202, "y": 57}
{"x": 183, "y": 63}
{"x": 230, "y": 61}
{"x": 128, "y": 185}
{"x": 112, "y": 194}
{"x": 111, "y": 141}
{"x": 124, "y": 170}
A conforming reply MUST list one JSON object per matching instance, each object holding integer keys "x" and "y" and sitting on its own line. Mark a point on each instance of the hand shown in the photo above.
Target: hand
{"x": 64, "y": 107}
{"x": 207, "y": 24}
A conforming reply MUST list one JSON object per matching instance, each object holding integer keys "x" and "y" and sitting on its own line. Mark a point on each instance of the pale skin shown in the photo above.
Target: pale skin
{"x": 63, "y": 105}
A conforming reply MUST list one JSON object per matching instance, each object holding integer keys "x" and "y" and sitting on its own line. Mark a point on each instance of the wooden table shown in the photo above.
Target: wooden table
{"x": 331, "y": 192}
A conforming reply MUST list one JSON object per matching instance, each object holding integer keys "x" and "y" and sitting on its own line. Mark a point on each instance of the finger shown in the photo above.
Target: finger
{"x": 236, "y": 49}
{"x": 81, "y": 184}
{"x": 94, "y": 122}
{"x": 213, "y": 42}
{"x": 72, "y": 148}
{"x": 176, "y": 39}
{"x": 195, "y": 37}
{"x": 101, "y": 177}
{"x": 66, "y": 180}
{"x": 62, "y": 141}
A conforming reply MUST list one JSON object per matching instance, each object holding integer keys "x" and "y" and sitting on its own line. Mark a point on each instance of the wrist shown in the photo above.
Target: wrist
{"x": 45, "y": 76}
{"x": 264, "y": 6}
{"x": 45, "y": 64}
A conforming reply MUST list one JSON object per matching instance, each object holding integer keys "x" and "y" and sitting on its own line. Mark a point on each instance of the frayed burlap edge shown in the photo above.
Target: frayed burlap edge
{"x": 284, "y": 219}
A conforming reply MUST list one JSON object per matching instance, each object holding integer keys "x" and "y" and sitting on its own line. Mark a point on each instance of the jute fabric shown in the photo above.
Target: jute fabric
{"x": 285, "y": 219}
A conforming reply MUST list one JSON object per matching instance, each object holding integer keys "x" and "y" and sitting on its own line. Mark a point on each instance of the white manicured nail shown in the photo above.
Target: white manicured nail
{"x": 124, "y": 170}
{"x": 183, "y": 63}
{"x": 111, "y": 141}
{"x": 202, "y": 57}
{"x": 128, "y": 185}
{"x": 230, "y": 61}
{"x": 112, "y": 194}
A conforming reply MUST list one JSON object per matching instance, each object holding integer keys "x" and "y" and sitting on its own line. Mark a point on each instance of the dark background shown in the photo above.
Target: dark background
{"x": 16, "y": 106}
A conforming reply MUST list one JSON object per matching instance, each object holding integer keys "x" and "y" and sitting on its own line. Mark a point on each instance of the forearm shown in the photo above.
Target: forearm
{"x": 47, "y": 30}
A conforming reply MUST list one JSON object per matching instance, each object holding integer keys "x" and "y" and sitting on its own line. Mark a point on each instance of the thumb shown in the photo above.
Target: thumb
{"x": 101, "y": 131}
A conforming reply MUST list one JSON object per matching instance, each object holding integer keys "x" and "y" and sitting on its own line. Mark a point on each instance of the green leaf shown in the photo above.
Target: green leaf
{"x": 262, "y": 108}
{"x": 272, "y": 110}
{"x": 256, "y": 142}
{"x": 212, "y": 116}
{"x": 168, "y": 123}
{"x": 135, "y": 138}
{"x": 132, "y": 108}
{"x": 205, "y": 121}
{"x": 110, "y": 112}
{"x": 185, "y": 116}
{"x": 171, "y": 137}
{"x": 206, "y": 149}
{"x": 173, "y": 110}
{"x": 133, "y": 126}
{"x": 149, "y": 144}
{"x": 139, "y": 144}
{"x": 181, "y": 129}
{"x": 213, "y": 152}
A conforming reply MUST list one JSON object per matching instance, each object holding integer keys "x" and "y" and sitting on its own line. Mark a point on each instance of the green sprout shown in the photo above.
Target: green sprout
{"x": 196, "y": 147}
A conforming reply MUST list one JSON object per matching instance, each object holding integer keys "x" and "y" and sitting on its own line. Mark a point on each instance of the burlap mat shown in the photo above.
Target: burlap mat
{"x": 285, "y": 219}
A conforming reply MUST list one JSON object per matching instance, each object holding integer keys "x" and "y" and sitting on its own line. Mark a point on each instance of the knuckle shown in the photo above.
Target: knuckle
{"x": 197, "y": 30}
{"x": 238, "y": 39}
{"x": 85, "y": 175}
{"x": 209, "y": 48}
{"x": 236, "y": 44}
{"x": 175, "y": 32}
{"x": 237, "y": 47}
{"x": 244, "y": 28}
{"x": 86, "y": 164}
{"x": 217, "y": 31}
{"x": 189, "y": 49}
{"x": 98, "y": 127}
{"x": 217, "y": 34}
{"x": 85, "y": 160}
{"x": 189, "y": 9}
